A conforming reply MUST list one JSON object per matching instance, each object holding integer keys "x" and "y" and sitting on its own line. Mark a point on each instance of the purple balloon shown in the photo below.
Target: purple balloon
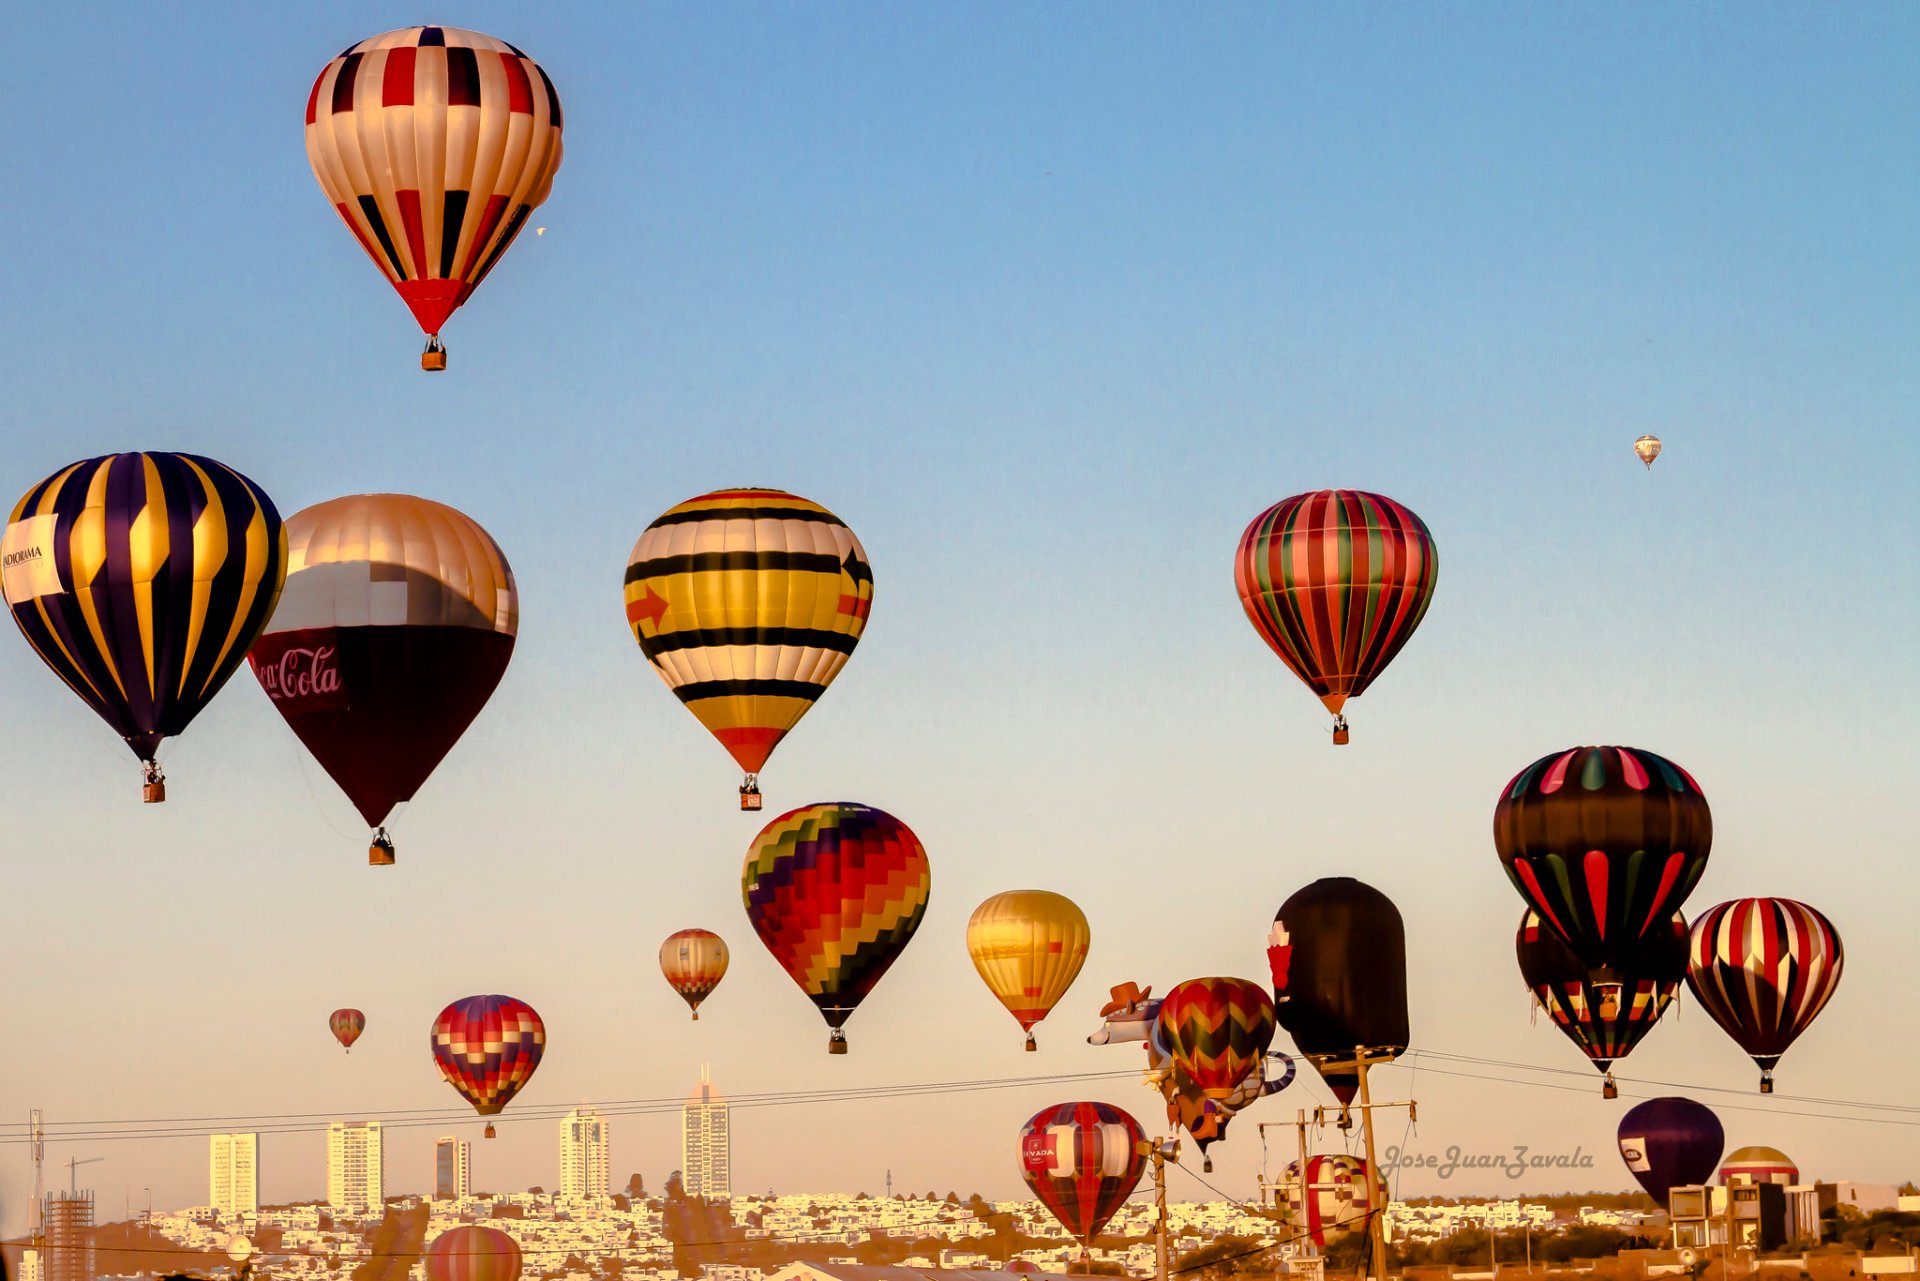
{"x": 1670, "y": 1143}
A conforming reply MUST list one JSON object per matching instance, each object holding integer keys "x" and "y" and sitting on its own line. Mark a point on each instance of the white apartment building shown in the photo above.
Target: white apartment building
{"x": 354, "y": 1159}
{"x": 233, "y": 1174}
{"x": 706, "y": 1150}
{"x": 452, "y": 1168}
{"x": 583, "y": 1155}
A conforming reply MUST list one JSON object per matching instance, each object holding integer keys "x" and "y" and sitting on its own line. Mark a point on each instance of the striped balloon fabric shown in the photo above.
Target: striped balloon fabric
{"x": 694, "y": 962}
{"x": 473, "y": 1253}
{"x": 1763, "y": 968}
{"x": 487, "y": 1048}
{"x": 747, "y": 602}
{"x": 1605, "y": 843}
{"x": 1335, "y": 581}
{"x": 1604, "y": 1019}
{"x": 434, "y": 144}
{"x": 1331, "y": 1198}
{"x": 141, "y": 579}
{"x": 1082, "y": 1161}
{"x": 347, "y": 1024}
{"x": 1217, "y": 1030}
{"x": 835, "y": 891}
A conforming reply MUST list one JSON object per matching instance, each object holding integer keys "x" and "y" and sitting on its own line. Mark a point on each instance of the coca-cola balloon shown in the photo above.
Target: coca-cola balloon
{"x": 396, "y": 624}
{"x": 1338, "y": 952}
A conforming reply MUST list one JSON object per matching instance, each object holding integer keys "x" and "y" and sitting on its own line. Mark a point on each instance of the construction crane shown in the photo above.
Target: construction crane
{"x": 73, "y": 1172}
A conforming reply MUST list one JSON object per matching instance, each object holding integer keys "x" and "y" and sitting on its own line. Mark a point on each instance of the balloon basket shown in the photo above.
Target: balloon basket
{"x": 1340, "y": 732}
{"x": 1206, "y": 1165}
{"x": 1608, "y": 1090}
{"x": 1032, "y": 1045}
{"x": 750, "y": 794}
{"x": 380, "y": 850}
{"x": 1766, "y": 1083}
{"x": 488, "y": 1132}
{"x": 837, "y": 1043}
{"x": 153, "y": 783}
{"x": 434, "y": 358}
{"x": 696, "y": 1016}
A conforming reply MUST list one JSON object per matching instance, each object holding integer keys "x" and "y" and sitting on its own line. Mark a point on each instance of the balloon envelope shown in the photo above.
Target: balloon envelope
{"x": 694, "y": 962}
{"x": 1216, "y": 1031}
{"x": 1335, "y": 581}
{"x": 1605, "y": 843}
{"x": 1028, "y": 947}
{"x": 1646, "y": 449}
{"x": 433, "y": 145}
{"x": 1338, "y": 955}
{"x": 141, "y": 579}
{"x": 488, "y": 1047}
{"x": 747, "y": 602}
{"x": 1082, "y": 1161}
{"x": 1764, "y": 968}
{"x": 473, "y": 1253}
{"x": 1670, "y": 1142}
{"x": 1756, "y": 1164}
{"x": 347, "y": 1024}
{"x": 1604, "y": 1019}
{"x": 397, "y": 621}
{"x": 835, "y": 891}
{"x": 1331, "y": 1200}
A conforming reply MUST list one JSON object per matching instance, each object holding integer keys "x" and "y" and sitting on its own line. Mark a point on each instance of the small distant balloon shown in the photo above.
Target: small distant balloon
{"x": 1647, "y": 448}
{"x": 541, "y": 231}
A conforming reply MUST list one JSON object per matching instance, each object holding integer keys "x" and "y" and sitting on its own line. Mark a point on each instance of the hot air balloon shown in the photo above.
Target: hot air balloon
{"x": 1335, "y": 582}
{"x": 1646, "y": 449}
{"x": 1605, "y": 1019}
{"x": 1669, "y": 1143}
{"x": 433, "y": 145}
{"x": 694, "y": 962}
{"x": 1331, "y": 1199}
{"x": 1216, "y": 1031}
{"x": 487, "y": 1048}
{"x": 1082, "y": 1161}
{"x": 1759, "y": 1165}
{"x": 347, "y": 1025}
{"x": 835, "y": 891}
{"x": 141, "y": 579}
{"x": 747, "y": 602}
{"x": 1338, "y": 952}
{"x": 473, "y": 1253}
{"x": 396, "y": 624}
{"x": 1028, "y": 946}
{"x": 1605, "y": 843}
{"x": 1764, "y": 968}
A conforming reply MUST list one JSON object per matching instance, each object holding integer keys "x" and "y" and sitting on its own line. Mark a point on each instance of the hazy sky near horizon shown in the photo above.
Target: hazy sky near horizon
{"x": 1046, "y": 304}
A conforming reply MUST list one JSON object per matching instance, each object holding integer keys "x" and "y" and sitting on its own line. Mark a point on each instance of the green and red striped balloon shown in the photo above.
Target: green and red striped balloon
{"x": 1335, "y": 581}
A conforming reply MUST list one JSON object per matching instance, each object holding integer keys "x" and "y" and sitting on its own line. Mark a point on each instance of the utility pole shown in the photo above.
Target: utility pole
{"x": 1160, "y": 1151}
{"x": 1363, "y": 1058}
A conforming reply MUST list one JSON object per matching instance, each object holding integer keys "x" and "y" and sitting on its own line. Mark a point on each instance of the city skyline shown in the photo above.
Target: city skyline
{"x": 1046, "y": 306}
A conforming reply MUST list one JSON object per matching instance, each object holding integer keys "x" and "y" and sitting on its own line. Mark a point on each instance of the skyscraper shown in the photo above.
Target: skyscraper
{"x": 706, "y": 1154}
{"x": 583, "y": 1155}
{"x": 354, "y": 1152}
{"x": 67, "y": 1220}
{"x": 233, "y": 1174}
{"x": 451, "y": 1179}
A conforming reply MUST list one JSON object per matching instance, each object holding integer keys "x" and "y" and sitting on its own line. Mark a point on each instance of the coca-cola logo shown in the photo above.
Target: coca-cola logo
{"x": 302, "y": 673}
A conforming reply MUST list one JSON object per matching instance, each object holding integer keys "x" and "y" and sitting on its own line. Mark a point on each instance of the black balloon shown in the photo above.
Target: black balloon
{"x": 1339, "y": 957}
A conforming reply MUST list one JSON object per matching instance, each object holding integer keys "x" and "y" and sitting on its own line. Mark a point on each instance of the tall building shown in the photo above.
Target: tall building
{"x": 706, "y": 1152}
{"x": 583, "y": 1155}
{"x": 233, "y": 1174}
{"x": 30, "y": 1265}
{"x": 354, "y": 1152}
{"x": 67, "y": 1220}
{"x": 451, "y": 1179}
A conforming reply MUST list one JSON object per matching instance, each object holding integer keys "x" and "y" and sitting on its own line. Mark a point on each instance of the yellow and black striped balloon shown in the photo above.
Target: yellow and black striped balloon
{"x": 748, "y": 602}
{"x": 141, "y": 580}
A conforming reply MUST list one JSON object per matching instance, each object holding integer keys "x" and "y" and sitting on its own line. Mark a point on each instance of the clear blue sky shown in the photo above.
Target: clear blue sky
{"x": 1046, "y": 304}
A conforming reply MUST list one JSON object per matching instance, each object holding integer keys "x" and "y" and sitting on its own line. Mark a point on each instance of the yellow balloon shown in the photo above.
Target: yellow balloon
{"x": 1028, "y": 946}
